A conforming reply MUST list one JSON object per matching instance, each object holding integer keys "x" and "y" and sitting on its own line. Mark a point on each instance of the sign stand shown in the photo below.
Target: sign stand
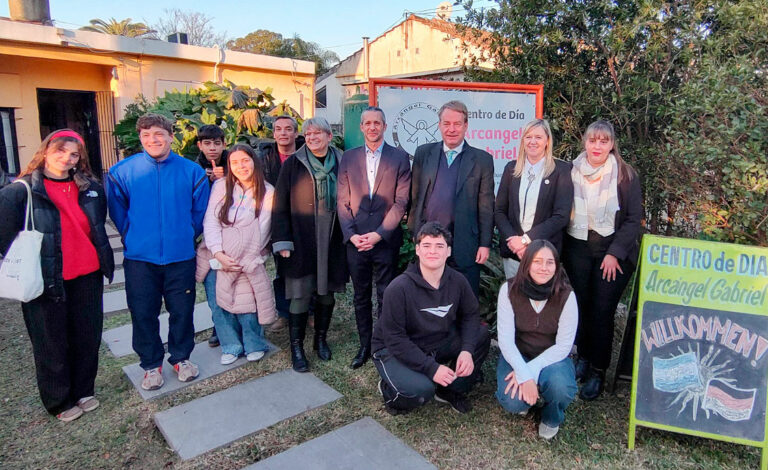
{"x": 701, "y": 341}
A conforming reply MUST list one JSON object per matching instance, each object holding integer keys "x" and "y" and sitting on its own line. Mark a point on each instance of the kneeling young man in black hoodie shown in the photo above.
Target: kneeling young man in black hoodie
{"x": 429, "y": 341}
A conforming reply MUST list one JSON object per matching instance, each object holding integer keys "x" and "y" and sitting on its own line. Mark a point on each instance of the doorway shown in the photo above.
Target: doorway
{"x": 75, "y": 110}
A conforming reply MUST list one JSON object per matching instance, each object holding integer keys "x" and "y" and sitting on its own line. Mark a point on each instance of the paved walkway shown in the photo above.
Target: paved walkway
{"x": 223, "y": 417}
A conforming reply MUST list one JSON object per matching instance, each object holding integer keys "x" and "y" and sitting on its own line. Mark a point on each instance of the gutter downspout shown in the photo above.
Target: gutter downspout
{"x": 366, "y": 59}
{"x": 216, "y": 65}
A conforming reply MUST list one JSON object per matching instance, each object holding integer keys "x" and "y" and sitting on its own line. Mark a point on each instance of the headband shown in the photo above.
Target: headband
{"x": 72, "y": 134}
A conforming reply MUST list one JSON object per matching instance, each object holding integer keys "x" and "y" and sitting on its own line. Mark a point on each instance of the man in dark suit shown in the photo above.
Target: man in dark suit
{"x": 372, "y": 196}
{"x": 452, "y": 183}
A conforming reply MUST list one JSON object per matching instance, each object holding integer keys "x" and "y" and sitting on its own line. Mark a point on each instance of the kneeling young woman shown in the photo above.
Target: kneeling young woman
{"x": 537, "y": 321}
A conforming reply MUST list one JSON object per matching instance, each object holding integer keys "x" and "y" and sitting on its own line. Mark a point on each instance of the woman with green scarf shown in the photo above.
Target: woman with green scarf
{"x": 307, "y": 235}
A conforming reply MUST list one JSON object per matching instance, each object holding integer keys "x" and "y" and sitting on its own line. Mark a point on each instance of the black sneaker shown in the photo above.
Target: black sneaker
{"x": 458, "y": 401}
{"x": 213, "y": 341}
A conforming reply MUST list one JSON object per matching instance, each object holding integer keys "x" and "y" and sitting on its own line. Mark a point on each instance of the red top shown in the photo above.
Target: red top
{"x": 77, "y": 251}
{"x": 284, "y": 157}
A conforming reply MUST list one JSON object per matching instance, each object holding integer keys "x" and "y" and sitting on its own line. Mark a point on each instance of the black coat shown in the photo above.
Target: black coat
{"x": 553, "y": 207}
{"x": 270, "y": 159}
{"x": 93, "y": 202}
{"x": 293, "y": 223}
{"x": 628, "y": 223}
{"x": 473, "y": 209}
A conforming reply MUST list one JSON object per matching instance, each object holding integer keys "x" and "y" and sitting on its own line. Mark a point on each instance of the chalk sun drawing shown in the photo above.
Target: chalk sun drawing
{"x": 691, "y": 391}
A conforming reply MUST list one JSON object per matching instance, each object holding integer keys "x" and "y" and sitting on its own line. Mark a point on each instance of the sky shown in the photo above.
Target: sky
{"x": 334, "y": 24}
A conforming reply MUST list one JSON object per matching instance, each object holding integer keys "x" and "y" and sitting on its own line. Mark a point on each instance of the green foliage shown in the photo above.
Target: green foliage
{"x": 683, "y": 83}
{"x": 121, "y": 28}
{"x": 244, "y": 113}
{"x": 267, "y": 42}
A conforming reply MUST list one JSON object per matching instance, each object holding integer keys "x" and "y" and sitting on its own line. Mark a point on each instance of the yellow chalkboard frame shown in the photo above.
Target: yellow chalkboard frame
{"x": 644, "y": 296}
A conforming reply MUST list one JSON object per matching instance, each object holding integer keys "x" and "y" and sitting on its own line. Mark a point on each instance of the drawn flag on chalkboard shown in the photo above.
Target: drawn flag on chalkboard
{"x": 733, "y": 404}
{"x": 676, "y": 373}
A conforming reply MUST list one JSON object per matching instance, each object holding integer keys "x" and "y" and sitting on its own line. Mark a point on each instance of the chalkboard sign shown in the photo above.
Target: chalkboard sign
{"x": 701, "y": 341}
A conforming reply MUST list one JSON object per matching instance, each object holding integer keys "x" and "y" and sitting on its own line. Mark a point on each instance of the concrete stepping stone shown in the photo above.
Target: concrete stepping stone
{"x": 115, "y": 301}
{"x": 118, "y": 258}
{"x": 111, "y": 231}
{"x": 216, "y": 420}
{"x": 362, "y": 444}
{"x": 117, "y": 278}
{"x": 208, "y": 361}
{"x": 115, "y": 243}
{"x": 119, "y": 339}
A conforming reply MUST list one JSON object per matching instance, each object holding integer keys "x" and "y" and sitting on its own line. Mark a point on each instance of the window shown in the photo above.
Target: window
{"x": 320, "y": 98}
{"x": 9, "y": 152}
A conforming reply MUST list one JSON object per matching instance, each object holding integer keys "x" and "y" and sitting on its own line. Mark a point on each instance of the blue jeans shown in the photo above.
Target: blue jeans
{"x": 557, "y": 388}
{"x": 210, "y": 293}
{"x": 237, "y": 332}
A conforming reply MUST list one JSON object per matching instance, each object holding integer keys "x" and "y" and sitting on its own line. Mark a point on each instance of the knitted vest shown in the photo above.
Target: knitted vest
{"x": 535, "y": 332}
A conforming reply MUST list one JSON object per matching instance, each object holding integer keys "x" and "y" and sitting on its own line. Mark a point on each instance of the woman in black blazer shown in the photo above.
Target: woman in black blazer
{"x": 601, "y": 247}
{"x": 535, "y": 196}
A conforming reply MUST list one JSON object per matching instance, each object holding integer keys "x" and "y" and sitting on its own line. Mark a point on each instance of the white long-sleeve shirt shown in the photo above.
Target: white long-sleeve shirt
{"x": 566, "y": 334}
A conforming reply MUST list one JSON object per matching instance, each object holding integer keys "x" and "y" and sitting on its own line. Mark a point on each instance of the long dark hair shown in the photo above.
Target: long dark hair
{"x": 82, "y": 170}
{"x": 561, "y": 282}
{"x": 259, "y": 187}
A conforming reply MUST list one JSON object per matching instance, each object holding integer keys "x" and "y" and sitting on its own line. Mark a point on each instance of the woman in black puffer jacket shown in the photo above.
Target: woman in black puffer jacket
{"x": 65, "y": 322}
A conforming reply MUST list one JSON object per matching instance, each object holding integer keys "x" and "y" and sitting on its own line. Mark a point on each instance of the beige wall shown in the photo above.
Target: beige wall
{"x": 411, "y": 47}
{"x": 19, "y": 81}
{"x": 25, "y": 68}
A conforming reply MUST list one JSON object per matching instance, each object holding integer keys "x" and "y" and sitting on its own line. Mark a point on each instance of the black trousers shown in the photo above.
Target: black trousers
{"x": 405, "y": 389}
{"x": 365, "y": 267}
{"x": 65, "y": 339}
{"x": 596, "y": 297}
{"x": 472, "y": 273}
{"x": 146, "y": 286}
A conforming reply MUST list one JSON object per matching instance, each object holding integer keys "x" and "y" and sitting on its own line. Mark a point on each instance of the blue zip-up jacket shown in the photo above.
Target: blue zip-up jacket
{"x": 158, "y": 207}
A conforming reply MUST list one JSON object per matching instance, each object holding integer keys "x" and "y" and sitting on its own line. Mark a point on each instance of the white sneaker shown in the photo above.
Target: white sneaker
{"x": 547, "y": 432}
{"x": 254, "y": 356}
{"x": 227, "y": 359}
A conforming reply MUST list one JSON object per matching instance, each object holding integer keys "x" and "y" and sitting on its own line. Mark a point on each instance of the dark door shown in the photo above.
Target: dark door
{"x": 75, "y": 110}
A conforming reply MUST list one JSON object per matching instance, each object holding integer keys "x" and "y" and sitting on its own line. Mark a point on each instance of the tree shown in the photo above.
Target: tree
{"x": 120, "y": 28}
{"x": 267, "y": 42}
{"x": 683, "y": 83}
{"x": 196, "y": 25}
{"x": 260, "y": 41}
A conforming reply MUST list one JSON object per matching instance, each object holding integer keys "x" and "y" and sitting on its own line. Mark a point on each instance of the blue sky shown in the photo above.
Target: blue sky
{"x": 334, "y": 24}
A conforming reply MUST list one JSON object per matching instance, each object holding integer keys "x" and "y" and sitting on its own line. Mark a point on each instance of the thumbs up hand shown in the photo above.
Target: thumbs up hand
{"x": 216, "y": 172}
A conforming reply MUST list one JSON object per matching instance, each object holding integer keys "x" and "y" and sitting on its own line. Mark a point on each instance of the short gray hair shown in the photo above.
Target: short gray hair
{"x": 318, "y": 122}
{"x": 454, "y": 105}
{"x": 371, "y": 109}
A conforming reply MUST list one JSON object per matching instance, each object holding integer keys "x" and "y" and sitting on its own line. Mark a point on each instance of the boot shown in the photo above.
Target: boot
{"x": 363, "y": 354}
{"x": 297, "y": 328}
{"x": 593, "y": 384}
{"x": 581, "y": 366}
{"x": 322, "y": 322}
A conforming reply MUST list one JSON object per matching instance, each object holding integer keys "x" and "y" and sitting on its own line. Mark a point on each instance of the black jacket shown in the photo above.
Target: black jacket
{"x": 416, "y": 318}
{"x": 553, "y": 207}
{"x": 93, "y": 201}
{"x": 293, "y": 223}
{"x": 206, "y": 164}
{"x": 473, "y": 202}
{"x": 629, "y": 218}
{"x": 270, "y": 159}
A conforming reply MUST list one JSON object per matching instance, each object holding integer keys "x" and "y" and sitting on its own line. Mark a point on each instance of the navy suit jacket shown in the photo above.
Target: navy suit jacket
{"x": 360, "y": 213}
{"x": 473, "y": 201}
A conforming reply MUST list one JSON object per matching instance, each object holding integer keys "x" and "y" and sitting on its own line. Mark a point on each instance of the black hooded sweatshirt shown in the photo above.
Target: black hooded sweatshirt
{"x": 416, "y": 318}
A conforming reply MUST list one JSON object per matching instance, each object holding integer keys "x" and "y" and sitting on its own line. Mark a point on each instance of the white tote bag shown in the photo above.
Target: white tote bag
{"x": 21, "y": 277}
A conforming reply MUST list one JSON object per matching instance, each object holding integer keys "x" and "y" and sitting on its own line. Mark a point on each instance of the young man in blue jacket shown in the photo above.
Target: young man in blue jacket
{"x": 157, "y": 200}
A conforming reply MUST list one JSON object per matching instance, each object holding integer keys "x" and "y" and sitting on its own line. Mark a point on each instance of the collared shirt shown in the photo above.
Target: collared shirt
{"x": 372, "y": 160}
{"x": 458, "y": 150}
{"x": 530, "y": 183}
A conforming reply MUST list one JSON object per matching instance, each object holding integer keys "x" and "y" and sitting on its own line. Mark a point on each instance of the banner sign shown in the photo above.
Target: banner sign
{"x": 701, "y": 346}
{"x": 497, "y": 114}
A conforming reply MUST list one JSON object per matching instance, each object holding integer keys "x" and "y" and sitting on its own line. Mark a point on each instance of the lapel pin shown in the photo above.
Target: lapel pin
{"x": 546, "y": 181}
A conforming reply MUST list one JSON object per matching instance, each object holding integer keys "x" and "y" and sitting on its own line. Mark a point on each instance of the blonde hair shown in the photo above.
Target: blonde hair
{"x": 522, "y": 157}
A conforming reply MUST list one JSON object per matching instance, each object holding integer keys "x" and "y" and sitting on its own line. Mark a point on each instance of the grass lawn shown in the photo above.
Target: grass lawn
{"x": 122, "y": 434}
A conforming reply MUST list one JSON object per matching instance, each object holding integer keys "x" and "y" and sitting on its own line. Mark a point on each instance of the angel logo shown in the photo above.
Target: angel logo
{"x": 415, "y": 125}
